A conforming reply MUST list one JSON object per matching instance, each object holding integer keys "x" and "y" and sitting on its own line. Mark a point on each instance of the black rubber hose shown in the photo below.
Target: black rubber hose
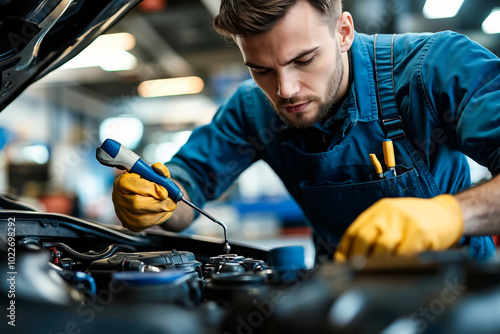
{"x": 109, "y": 251}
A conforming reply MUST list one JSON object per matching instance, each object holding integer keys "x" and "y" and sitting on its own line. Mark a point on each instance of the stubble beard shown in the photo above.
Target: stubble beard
{"x": 304, "y": 120}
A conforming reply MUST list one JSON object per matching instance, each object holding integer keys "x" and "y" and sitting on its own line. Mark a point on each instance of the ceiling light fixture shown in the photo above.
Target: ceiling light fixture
{"x": 491, "y": 25}
{"x": 439, "y": 9}
{"x": 121, "y": 41}
{"x": 109, "y": 60}
{"x": 108, "y": 52}
{"x": 170, "y": 87}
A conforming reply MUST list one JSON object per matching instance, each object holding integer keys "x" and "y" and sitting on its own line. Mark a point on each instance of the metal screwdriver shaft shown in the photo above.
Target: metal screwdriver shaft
{"x": 227, "y": 248}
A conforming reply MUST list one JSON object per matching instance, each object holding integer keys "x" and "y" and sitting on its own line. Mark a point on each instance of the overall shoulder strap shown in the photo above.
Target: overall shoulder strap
{"x": 392, "y": 123}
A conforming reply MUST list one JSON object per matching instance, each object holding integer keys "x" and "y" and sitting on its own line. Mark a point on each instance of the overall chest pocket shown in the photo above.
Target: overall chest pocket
{"x": 334, "y": 187}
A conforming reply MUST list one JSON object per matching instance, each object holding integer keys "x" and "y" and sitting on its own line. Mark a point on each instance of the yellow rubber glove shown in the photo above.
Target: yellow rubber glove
{"x": 403, "y": 226}
{"x": 139, "y": 203}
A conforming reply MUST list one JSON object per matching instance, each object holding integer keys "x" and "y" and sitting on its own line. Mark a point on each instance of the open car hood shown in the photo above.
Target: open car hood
{"x": 38, "y": 36}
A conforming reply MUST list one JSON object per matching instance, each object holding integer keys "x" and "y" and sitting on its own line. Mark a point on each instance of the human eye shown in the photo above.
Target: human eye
{"x": 304, "y": 61}
{"x": 260, "y": 71}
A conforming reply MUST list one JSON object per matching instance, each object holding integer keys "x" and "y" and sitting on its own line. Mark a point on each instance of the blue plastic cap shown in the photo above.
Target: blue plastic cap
{"x": 111, "y": 147}
{"x": 287, "y": 258}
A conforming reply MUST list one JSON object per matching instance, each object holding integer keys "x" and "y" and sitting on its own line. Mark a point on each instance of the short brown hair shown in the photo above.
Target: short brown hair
{"x": 251, "y": 17}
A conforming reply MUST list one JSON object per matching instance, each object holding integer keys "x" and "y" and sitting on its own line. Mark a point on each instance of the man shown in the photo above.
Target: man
{"x": 322, "y": 99}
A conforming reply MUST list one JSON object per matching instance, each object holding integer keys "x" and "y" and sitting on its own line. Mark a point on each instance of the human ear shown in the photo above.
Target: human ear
{"x": 345, "y": 30}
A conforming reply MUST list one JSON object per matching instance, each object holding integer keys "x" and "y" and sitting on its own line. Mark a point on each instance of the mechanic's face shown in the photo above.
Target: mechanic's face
{"x": 301, "y": 64}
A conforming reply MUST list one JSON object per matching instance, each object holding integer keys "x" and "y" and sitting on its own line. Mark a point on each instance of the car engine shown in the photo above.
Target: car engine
{"x": 66, "y": 275}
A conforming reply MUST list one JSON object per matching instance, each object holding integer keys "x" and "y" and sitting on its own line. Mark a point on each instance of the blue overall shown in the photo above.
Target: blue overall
{"x": 327, "y": 168}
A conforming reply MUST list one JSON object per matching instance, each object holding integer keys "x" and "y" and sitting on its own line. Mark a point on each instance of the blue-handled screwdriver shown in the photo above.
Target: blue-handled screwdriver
{"x": 113, "y": 154}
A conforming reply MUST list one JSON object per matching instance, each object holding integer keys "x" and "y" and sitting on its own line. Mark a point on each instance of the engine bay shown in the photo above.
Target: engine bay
{"x": 66, "y": 275}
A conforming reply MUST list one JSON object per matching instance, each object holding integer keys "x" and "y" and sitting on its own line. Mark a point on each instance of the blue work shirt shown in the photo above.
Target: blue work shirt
{"x": 447, "y": 88}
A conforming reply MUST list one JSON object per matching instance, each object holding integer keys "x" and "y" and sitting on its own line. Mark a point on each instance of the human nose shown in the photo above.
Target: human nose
{"x": 288, "y": 85}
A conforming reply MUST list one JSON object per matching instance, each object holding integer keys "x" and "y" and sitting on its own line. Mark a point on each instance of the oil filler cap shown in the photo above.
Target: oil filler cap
{"x": 288, "y": 258}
